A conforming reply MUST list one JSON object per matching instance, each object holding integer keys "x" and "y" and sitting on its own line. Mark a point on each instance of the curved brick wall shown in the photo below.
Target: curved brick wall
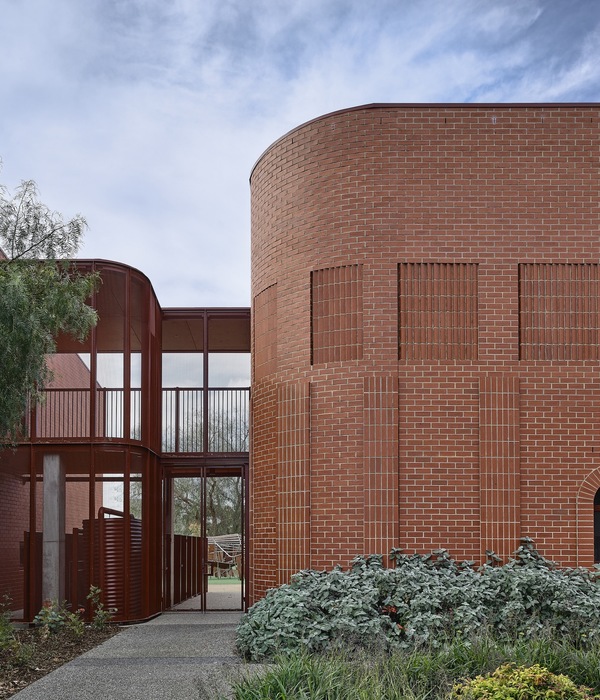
{"x": 426, "y": 335}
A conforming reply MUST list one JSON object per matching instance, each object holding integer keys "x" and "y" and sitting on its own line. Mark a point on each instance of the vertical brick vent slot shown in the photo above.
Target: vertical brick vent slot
{"x": 336, "y": 314}
{"x": 265, "y": 332}
{"x": 293, "y": 479}
{"x": 438, "y": 311}
{"x": 380, "y": 425}
{"x": 499, "y": 464}
{"x": 558, "y": 318}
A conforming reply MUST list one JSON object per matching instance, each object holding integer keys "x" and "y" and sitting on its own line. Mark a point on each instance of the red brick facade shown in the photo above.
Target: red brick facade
{"x": 426, "y": 335}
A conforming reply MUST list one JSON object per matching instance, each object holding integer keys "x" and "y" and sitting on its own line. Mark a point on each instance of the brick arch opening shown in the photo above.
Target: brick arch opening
{"x": 587, "y": 495}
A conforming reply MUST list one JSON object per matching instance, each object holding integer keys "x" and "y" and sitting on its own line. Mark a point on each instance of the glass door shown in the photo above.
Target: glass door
{"x": 204, "y": 539}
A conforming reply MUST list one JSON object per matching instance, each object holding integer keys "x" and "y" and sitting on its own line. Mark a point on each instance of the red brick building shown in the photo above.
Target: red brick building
{"x": 426, "y": 320}
{"x": 425, "y": 342}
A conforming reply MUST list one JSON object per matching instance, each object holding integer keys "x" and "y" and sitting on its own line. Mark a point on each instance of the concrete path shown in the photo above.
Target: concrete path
{"x": 179, "y": 656}
{"x": 220, "y": 596}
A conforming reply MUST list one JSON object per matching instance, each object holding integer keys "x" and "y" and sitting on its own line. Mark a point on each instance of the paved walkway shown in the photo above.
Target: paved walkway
{"x": 179, "y": 656}
{"x": 220, "y": 596}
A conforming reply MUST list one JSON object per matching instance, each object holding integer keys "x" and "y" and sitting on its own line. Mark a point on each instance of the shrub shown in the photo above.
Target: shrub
{"x": 414, "y": 674}
{"x": 509, "y": 682}
{"x": 13, "y": 652}
{"x": 54, "y": 617}
{"x": 7, "y": 634}
{"x": 101, "y": 616}
{"x": 423, "y": 602}
{"x": 317, "y": 611}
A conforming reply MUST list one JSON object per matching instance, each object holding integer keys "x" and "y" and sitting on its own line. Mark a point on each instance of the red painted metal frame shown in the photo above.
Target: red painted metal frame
{"x": 126, "y": 455}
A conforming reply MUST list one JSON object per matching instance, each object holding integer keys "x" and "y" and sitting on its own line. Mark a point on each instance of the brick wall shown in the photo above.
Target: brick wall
{"x": 451, "y": 253}
{"x": 15, "y": 521}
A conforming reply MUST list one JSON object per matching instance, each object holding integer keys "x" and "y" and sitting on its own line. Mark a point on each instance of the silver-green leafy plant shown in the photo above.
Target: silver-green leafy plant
{"x": 424, "y": 601}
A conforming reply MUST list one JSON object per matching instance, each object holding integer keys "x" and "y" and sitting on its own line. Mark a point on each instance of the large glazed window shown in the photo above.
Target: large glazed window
{"x": 183, "y": 405}
{"x": 336, "y": 314}
{"x": 438, "y": 311}
{"x": 558, "y": 318}
{"x": 205, "y": 381}
{"x": 228, "y": 408}
{"x": 96, "y": 386}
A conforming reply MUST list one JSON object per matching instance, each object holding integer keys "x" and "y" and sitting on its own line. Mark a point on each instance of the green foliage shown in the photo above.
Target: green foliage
{"x": 509, "y": 682}
{"x": 416, "y": 673}
{"x": 101, "y": 615}
{"x": 7, "y": 634}
{"x": 317, "y": 611}
{"x": 303, "y": 676}
{"x": 424, "y": 602}
{"x": 39, "y": 298}
{"x": 11, "y": 647}
{"x": 55, "y": 617}
{"x": 30, "y": 230}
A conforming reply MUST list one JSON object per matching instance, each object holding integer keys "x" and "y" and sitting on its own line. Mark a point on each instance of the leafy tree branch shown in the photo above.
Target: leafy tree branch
{"x": 41, "y": 296}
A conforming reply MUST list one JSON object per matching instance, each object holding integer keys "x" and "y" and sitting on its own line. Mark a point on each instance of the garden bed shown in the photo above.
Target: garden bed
{"x": 36, "y": 654}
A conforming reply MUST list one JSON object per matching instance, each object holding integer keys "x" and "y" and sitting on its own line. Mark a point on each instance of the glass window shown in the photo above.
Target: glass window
{"x": 182, "y": 369}
{"x": 227, "y": 370}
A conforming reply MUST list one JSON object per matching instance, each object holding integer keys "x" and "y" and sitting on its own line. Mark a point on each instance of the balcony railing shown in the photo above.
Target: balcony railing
{"x": 67, "y": 414}
{"x": 192, "y": 419}
{"x": 216, "y": 418}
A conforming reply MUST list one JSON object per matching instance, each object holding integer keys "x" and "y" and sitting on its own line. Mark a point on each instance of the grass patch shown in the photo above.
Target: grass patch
{"x": 228, "y": 581}
{"x": 418, "y": 674}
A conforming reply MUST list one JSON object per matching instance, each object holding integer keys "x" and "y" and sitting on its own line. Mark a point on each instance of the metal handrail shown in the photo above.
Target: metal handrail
{"x": 186, "y": 424}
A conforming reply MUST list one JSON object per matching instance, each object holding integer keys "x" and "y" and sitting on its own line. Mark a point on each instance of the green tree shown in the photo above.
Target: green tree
{"x": 223, "y": 505}
{"x": 41, "y": 295}
{"x": 224, "y": 501}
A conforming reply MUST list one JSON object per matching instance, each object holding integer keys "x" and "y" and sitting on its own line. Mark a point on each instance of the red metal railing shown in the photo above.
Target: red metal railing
{"x": 217, "y": 418}
{"x": 194, "y": 420}
{"x": 66, "y": 414}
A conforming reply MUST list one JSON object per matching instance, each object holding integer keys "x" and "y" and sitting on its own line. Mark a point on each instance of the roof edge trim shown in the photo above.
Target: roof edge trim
{"x": 422, "y": 105}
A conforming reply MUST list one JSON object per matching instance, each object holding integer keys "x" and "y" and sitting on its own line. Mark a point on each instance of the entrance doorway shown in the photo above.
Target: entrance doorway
{"x": 204, "y": 552}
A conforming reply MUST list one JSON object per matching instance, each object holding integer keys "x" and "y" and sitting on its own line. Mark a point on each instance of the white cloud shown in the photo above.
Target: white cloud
{"x": 148, "y": 116}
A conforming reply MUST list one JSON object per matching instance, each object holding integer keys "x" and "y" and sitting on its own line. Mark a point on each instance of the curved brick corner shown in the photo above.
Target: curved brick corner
{"x": 413, "y": 382}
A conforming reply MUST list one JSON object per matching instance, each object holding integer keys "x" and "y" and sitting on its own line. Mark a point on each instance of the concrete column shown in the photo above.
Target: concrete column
{"x": 53, "y": 564}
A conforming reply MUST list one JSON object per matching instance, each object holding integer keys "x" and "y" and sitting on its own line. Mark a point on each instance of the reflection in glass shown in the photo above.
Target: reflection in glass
{"x": 182, "y": 369}
{"x": 229, "y": 369}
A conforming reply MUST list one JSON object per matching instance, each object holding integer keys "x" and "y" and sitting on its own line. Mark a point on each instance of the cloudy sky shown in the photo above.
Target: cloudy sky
{"x": 146, "y": 116}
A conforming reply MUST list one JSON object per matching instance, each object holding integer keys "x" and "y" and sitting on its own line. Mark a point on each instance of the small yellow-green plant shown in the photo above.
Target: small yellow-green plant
{"x": 13, "y": 651}
{"x": 509, "y": 682}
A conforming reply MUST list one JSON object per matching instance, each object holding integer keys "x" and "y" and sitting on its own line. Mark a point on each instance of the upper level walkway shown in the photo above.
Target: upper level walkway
{"x": 193, "y": 420}
{"x": 175, "y": 381}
